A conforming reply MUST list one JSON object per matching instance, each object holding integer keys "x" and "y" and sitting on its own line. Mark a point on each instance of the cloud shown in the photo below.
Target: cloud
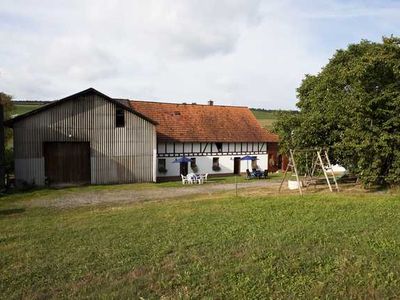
{"x": 349, "y": 9}
{"x": 244, "y": 52}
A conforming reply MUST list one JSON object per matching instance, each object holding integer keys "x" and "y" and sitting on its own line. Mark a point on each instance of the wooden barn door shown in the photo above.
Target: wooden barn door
{"x": 67, "y": 162}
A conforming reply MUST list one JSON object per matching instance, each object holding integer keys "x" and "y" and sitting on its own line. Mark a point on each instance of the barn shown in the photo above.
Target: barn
{"x": 90, "y": 138}
{"x": 85, "y": 138}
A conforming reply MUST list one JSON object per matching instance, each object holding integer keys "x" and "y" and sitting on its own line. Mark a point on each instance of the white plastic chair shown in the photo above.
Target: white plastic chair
{"x": 200, "y": 179}
{"x": 184, "y": 179}
{"x": 205, "y": 177}
{"x": 193, "y": 178}
{"x": 190, "y": 178}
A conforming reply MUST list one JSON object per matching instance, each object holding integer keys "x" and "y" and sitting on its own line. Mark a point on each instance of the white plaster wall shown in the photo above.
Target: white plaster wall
{"x": 204, "y": 164}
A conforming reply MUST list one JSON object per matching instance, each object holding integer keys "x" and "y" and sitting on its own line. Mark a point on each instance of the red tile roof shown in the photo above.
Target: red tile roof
{"x": 274, "y": 138}
{"x": 203, "y": 123}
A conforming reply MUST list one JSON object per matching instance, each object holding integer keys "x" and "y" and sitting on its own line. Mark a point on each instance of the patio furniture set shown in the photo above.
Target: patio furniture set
{"x": 256, "y": 174}
{"x": 192, "y": 178}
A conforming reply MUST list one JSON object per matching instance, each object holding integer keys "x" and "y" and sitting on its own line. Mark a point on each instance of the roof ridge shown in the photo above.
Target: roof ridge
{"x": 187, "y": 103}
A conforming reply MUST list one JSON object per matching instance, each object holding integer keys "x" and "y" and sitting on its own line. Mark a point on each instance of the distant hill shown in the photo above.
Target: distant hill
{"x": 30, "y": 102}
{"x": 267, "y": 117}
{"x": 21, "y": 107}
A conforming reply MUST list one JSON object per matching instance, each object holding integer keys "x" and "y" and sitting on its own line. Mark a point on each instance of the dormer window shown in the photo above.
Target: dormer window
{"x": 119, "y": 117}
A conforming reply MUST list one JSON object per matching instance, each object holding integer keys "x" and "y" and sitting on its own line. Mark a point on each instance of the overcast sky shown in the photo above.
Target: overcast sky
{"x": 240, "y": 52}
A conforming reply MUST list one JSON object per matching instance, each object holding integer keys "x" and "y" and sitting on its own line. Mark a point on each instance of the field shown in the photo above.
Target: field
{"x": 266, "y": 118}
{"x": 20, "y": 109}
{"x": 256, "y": 245}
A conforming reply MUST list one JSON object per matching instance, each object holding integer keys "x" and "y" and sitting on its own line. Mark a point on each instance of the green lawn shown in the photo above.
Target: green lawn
{"x": 337, "y": 245}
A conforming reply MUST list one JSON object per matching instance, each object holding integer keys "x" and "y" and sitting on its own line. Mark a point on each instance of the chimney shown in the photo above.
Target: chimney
{"x": 210, "y": 102}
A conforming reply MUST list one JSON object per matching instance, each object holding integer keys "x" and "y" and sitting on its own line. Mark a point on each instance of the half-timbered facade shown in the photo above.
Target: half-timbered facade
{"x": 214, "y": 137}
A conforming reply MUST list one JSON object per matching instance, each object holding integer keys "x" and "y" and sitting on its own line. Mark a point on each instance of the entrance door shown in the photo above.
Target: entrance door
{"x": 236, "y": 165}
{"x": 184, "y": 168}
{"x": 67, "y": 162}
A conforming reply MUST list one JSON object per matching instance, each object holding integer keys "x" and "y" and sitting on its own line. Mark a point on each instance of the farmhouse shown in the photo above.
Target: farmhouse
{"x": 91, "y": 138}
{"x": 214, "y": 137}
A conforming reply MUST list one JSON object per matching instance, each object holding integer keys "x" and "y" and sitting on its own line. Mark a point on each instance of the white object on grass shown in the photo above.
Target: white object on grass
{"x": 293, "y": 184}
{"x": 338, "y": 170}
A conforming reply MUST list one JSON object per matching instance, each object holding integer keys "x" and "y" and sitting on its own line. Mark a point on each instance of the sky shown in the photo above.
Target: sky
{"x": 236, "y": 52}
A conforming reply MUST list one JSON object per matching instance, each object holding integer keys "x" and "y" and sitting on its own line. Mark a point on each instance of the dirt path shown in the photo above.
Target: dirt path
{"x": 127, "y": 196}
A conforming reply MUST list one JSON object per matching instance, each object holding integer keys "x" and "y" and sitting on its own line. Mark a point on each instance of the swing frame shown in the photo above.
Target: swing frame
{"x": 321, "y": 160}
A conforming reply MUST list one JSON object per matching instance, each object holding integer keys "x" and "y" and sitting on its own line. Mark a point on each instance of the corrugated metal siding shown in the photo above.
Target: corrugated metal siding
{"x": 118, "y": 155}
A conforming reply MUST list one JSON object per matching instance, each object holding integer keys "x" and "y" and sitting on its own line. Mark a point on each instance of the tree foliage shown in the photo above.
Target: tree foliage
{"x": 352, "y": 107}
{"x": 6, "y": 101}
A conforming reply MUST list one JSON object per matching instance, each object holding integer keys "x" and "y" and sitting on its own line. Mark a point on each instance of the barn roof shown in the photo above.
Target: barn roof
{"x": 89, "y": 91}
{"x": 203, "y": 123}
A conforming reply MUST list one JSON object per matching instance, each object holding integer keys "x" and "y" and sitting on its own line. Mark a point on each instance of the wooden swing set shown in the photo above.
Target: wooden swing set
{"x": 320, "y": 159}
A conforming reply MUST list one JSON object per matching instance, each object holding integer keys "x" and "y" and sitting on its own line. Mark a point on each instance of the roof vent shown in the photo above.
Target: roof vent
{"x": 210, "y": 102}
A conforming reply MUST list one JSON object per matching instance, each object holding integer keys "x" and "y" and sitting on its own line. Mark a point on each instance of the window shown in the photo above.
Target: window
{"x": 119, "y": 117}
{"x": 215, "y": 165}
{"x": 219, "y": 147}
{"x": 162, "y": 165}
{"x": 193, "y": 162}
{"x": 193, "y": 165}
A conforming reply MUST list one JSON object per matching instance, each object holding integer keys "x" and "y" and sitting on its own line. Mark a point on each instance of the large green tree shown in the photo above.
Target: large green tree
{"x": 353, "y": 107}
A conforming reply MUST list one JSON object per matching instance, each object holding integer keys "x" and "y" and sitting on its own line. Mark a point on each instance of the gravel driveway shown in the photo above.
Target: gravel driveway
{"x": 127, "y": 196}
